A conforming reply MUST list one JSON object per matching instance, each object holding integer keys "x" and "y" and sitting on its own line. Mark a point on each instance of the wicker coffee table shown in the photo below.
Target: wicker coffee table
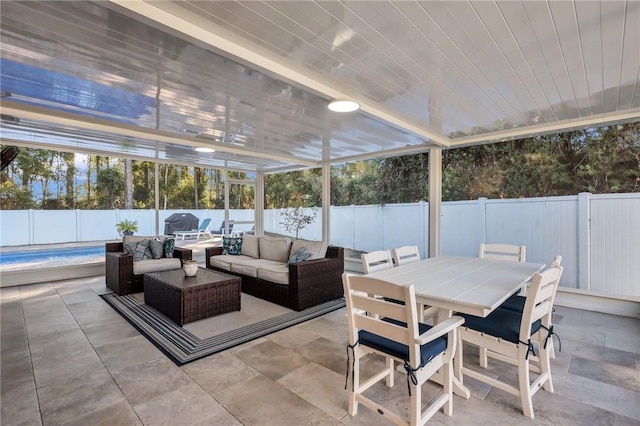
{"x": 186, "y": 299}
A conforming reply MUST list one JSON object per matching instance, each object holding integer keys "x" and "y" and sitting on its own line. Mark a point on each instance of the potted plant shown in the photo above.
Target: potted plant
{"x": 127, "y": 227}
{"x": 190, "y": 267}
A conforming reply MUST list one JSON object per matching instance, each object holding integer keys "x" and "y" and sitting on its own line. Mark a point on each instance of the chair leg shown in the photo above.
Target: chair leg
{"x": 447, "y": 384}
{"x": 391, "y": 375}
{"x": 355, "y": 388}
{"x": 457, "y": 360}
{"x": 482, "y": 357}
{"x": 416, "y": 405}
{"x": 545, "y": 366}
{"x": 525, "y": 384}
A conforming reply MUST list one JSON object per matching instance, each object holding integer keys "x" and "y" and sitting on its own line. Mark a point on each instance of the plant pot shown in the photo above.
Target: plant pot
{"x": 190, "y": 268}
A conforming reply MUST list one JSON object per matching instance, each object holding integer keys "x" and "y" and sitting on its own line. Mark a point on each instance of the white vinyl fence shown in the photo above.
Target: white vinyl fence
{"x": 597, "y": 235}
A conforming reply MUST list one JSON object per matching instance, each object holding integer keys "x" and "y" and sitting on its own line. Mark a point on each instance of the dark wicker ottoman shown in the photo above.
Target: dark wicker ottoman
{"x": 186, "y": 299}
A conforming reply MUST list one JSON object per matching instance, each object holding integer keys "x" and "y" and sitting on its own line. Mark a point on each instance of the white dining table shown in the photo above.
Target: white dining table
{"x": 471, "y": 285}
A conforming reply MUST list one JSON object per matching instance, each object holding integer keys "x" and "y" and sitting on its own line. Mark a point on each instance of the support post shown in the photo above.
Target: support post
{"x": 584, "y": 238}
{"x": 435, "y": 201}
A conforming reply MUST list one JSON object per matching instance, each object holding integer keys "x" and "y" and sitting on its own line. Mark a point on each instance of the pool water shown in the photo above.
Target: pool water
{"x": 50, "y": 255}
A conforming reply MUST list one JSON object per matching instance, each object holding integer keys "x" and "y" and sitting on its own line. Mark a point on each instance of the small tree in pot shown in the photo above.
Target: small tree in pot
{"x": 295, "y": 219}
{"x": 127, "y": 227}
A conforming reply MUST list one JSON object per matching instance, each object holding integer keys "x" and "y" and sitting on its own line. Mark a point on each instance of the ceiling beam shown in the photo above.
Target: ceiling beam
{"x": 531, "y": 131}
{"x": 51, "y": 116}
{"x": 172, "y": 16}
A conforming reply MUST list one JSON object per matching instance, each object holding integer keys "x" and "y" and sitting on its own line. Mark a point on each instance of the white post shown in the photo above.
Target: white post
{"x": 435, "y": 201}
{"x": 326, "y": 202}
{"x": 259, "y": 215}
{"x": 482, "y": 213}
{"x": 584, "y": 240}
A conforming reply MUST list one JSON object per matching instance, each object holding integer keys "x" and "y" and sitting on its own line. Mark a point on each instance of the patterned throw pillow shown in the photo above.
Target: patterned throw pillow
{"x": 231, "y": 245}
{"x": 169, "y": 247}
{"x": 300, "y": 255}
{"x": 157, "y": 248}
{"x": 139, "y": 250}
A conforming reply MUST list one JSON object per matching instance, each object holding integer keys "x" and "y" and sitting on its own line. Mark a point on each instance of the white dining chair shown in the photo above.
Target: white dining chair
{"x": 376, "y": 261}
{"x": 405, "y": 254}
{"x": 408, "y": 254}
{"x": 516, "y": 302}
{"x": 508, "y": 335}
{"x": 503, "y": 252}
{"x": 393, "y": 332}
{"x": 507, "y": 252}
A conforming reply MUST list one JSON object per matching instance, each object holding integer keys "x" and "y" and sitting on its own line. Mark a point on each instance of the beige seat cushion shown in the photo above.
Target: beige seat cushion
{"x": 250, "y": 267}
{"x": 276, "y": 273}
{"x": 221, "y": 261}
{"x": 318, "y": 249}
{"x": 250, "y": 246}
{"x": 155, "y": 265}
{"x": 274, "y": 248}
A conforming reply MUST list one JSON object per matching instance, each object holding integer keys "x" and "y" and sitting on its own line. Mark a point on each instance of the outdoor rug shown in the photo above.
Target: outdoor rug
{"x": 183, "y": 346}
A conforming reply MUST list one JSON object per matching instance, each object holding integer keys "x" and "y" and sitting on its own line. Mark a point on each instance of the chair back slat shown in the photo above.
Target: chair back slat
{"x": 366, "y": 308}
{"x": 539, "y": 302}
{"x": 382, "y": 328}
{"x": 376, "y": 261}
{"x": 381, "y": 307}
{"x": 406, "y": 254}
{"x": 503, "y": 252}
{"x": 376, "y": 287}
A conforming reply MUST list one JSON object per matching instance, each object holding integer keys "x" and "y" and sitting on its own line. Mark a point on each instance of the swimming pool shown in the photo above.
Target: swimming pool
{"x": 50, "y": 255}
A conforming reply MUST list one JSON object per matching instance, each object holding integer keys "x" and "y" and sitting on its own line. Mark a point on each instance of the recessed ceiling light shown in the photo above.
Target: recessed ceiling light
{"x": 204, "y": 149}
{"x": 343, "y": 106}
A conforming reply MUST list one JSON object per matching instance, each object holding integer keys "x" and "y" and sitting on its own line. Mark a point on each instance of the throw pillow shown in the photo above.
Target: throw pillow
{"x": 231, "y": 245}
{"x": 169, "y": 247}
{"x": 157, "y": 248}
{"x": 300, "y": 255}
{"x": 139, "y": 250}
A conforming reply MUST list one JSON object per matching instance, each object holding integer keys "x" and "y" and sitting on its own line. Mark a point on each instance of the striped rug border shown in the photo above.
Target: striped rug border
{"x": 182, "y": 346}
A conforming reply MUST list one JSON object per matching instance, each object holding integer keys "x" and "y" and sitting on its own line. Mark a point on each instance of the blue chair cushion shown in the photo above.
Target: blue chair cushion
{"x": 502, "y": 323}
{"x": 514, "y": 303}
{"x": 427, "y": 351}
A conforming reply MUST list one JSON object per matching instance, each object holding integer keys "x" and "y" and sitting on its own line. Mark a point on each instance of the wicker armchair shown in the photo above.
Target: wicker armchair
{"x": 310, "y": 283}
{"x": 119, "y": 268}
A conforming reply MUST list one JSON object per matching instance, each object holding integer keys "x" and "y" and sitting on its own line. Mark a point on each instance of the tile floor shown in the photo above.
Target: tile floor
{"x": 68, "y": 358}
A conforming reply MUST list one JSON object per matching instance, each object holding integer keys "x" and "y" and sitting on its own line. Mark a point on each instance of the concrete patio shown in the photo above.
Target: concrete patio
{"x": 68, "y": 358}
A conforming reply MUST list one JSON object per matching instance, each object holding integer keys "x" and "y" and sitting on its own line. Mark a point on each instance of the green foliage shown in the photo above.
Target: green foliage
{"x": 109, "y": 188}
{"x": 126, "y": 225}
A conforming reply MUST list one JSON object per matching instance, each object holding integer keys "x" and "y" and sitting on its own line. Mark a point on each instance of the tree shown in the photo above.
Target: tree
{"x": 296, "y": 219}
{"x": 109, "y": 187}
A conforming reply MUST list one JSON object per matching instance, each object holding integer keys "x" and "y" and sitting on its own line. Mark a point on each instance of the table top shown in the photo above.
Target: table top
{"x": 469, "y": 285}
{"x": 176, "y": 278}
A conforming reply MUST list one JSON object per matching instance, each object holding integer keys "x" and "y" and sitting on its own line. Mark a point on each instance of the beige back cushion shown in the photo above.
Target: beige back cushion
{"x": 274, "y": 248}
{"x": 250, "y": 246}
{"x": 318, "y": 249}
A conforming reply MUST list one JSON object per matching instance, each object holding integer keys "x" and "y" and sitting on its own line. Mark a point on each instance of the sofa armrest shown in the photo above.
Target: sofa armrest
{"x": 317, "y": 280}
{"x": 211, "y": 251}
{"x": 118, "y": 271}
{"x": 182, "y": 253}
{"x": 114, "y": 247}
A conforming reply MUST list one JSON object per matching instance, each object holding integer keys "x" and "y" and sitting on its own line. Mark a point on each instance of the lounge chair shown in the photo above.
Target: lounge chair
{"x": 202, "y": 229}
{"x": 221, "y": 231}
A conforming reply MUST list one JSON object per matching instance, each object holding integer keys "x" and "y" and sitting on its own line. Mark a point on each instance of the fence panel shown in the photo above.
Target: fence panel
{"x": 597, "y": 235}
{"x": 615, "y": 244}
{"x": 462, "y": 227}
{"x": 546, "y": 226}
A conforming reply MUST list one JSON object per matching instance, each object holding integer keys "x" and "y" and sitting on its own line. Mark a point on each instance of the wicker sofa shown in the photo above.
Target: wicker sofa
{"x": 262, "y": 265}
{"x": 125, "y": 276}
